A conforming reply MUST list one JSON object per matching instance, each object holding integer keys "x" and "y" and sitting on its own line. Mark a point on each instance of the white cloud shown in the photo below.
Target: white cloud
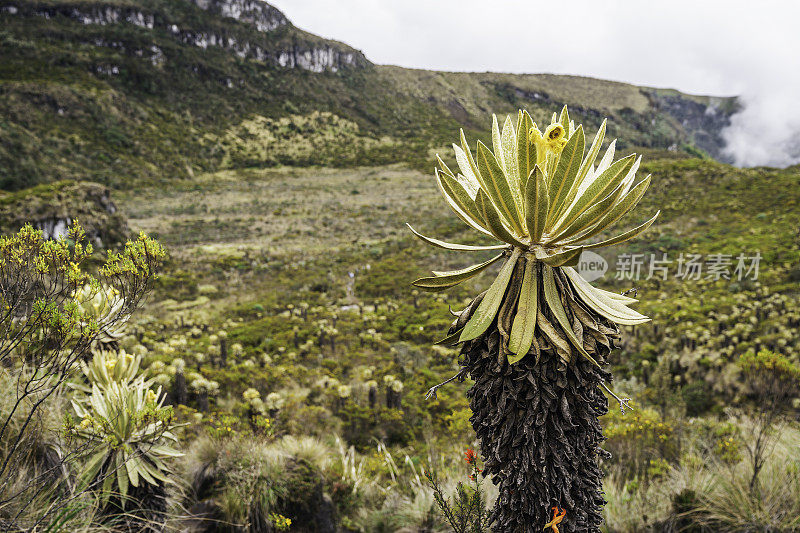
{"x": 707, "y": 47}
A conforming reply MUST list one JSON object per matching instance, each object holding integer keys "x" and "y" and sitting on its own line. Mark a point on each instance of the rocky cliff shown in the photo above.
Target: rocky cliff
{"x": 260, "y": 14}
{"x": 181, "y": 25}
{"x": 704, "y": 120}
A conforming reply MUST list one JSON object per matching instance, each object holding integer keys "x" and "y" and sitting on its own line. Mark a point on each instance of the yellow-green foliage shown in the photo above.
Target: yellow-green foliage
{"x": 540, "y": 195}
{"x": 770, "y": 362}
{"x": 637, "y": 438}
{"x": 643, "y": 423}
{"x": 92, "y": 308}
{"x": 105, "y": 306}
{"x": 280, "y": 522}
{"x": 126, "y": 425}
{"x": 316, "y": 138}
{"x": 25, "y": 259}
{"x": 108, "y": 367}
{"x": 58, "y": 299}
{"x": 128, "y": 429}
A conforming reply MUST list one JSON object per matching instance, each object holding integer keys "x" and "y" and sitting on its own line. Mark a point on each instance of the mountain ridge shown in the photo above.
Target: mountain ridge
{"x": 123, "y": 92}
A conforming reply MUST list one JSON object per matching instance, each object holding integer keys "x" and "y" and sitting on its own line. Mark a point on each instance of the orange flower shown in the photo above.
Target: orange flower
{"x": 557, "y": 518}
{"x": 470, "y": 456}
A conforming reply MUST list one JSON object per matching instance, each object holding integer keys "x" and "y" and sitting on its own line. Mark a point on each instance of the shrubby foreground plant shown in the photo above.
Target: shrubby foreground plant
{"x": 467, "y": 513}
{"x": 53, "y": 311}
{"x": 771, "y": 381}
{"x": 536, "y": 341}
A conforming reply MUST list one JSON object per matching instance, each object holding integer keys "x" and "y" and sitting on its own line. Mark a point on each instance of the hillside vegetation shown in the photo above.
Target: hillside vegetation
{"x": 285, "y": 333}
{"x": 124, "y": 92}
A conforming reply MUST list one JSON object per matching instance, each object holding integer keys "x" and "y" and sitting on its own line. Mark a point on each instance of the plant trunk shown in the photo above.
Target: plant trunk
{"x": 223, "y": 352}
{"x": 537, "y": 420}
{"x": 180, "y": 388}
{"x": 144, "y": 510}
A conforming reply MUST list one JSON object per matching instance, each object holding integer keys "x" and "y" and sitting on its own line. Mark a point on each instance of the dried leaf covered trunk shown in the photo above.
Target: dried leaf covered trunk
{"x": 537, "y": 419}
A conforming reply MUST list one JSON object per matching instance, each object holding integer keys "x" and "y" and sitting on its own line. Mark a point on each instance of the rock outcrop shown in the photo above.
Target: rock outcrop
{"x": 704, "y": 122}
{"x": 315, "y": 55}
{"x": 260, "y": 14}
{"x": 53, "y": 208}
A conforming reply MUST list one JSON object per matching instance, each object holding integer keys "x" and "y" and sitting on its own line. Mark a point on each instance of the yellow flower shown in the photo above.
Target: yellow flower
{"x": 555, "y": 135}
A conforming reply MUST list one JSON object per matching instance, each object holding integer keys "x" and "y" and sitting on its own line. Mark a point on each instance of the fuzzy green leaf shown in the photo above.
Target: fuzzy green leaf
{"x": 567, "y": 257}
{"x": 526, "y": 149}
{"x": 611, "y": 308}
{"x": 487, "y": 310}
{"x": 445, "y": 280}
{"x": 553, "y": 300}
{"x": 133, "y": 473}
{"x": 510, "y": 160}
{"x": 606, "y": 183}
{"x": 444, "y": 167}
{"x": 165, "y": 451}
{"x": 470, "y": 161}
{"x": 564, "y": 120}
{"x": 524, "y": 325}
{"x": 566, "y": 171}
{"x": 453, "y": 190}
{"x": 628, "y": 202}
{"x": 628, "y": 235}
{"x": 497, "y": 143}
{"x": 92, "y": 467}
{"x": 155, "y": 472}
{"x": 606, "y": 160}
{"x": 122, "y": 477}
{"x": 497, "y": 187}
{"x": 588, "y": 162}
{"x": 493, "y": 221}
{"x": 108, "y": 484}
{"x": 589, "y": 217}
{"x": 450, "y": 340}
{"x": 460, "y": 213}
{"x": 468, "y": 168}
{"x": 618, "y": 297}
{"x": 537, "y": 202}
{"x": 453, "y": 246}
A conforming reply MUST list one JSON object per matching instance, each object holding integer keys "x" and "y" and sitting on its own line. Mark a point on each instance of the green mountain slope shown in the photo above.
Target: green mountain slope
{"x": 122, "y": 92}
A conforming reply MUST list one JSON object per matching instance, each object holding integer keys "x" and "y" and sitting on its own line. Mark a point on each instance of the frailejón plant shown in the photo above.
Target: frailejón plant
{"x": 535, "y": 342}
{"x": 130, "y": 428}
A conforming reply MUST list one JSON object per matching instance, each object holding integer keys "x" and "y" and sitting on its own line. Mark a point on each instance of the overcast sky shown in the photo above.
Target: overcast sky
{"x": 750, "y": 49}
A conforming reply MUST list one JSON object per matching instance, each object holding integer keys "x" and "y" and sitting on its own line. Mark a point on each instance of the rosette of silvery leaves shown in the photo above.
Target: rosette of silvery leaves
{"x": 104, "y": 305}
{"x": 545, "y": 197}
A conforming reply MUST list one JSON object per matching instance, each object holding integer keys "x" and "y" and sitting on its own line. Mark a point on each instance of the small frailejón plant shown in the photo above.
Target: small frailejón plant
{"x": 536, "y": 341}
{"x": 130, "y": 429}
{"x": 106, "y": 305}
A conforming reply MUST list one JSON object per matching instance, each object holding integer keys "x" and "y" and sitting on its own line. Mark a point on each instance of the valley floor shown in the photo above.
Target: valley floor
{"x": 306, "y": 273}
